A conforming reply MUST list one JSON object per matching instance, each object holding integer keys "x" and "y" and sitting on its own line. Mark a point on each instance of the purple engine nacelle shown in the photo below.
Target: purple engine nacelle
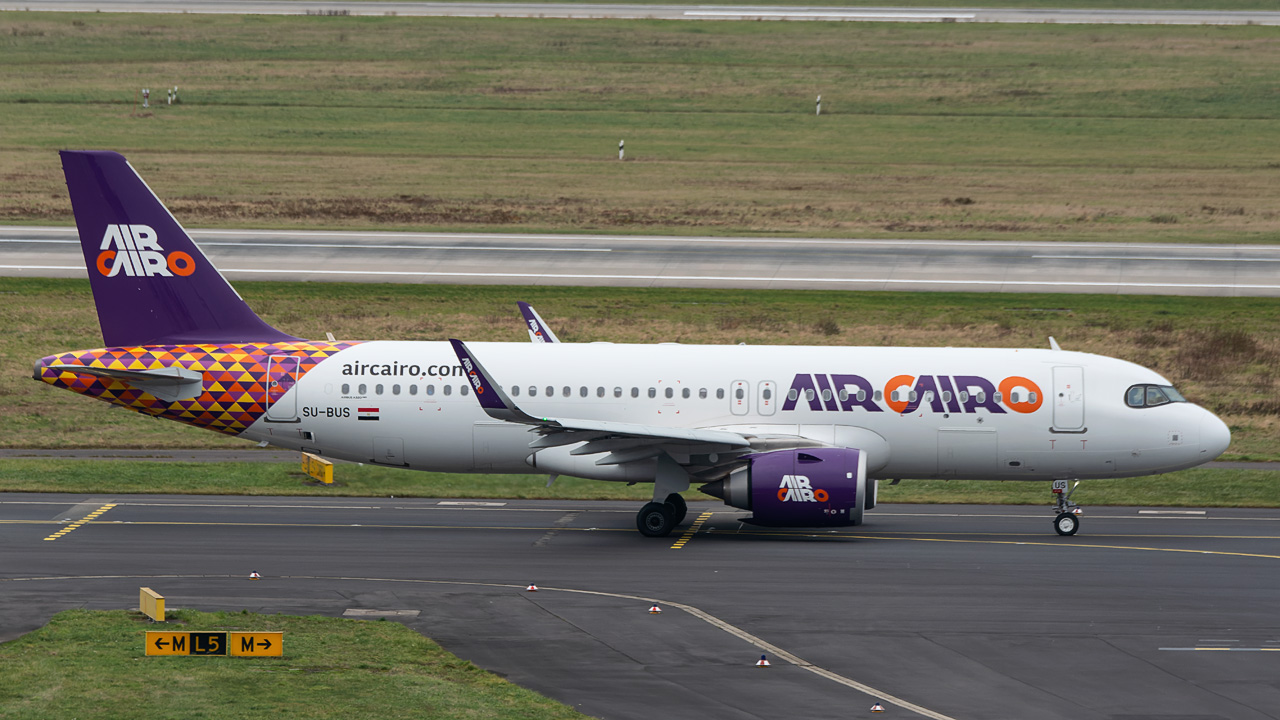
{"x": 812, "y": 487}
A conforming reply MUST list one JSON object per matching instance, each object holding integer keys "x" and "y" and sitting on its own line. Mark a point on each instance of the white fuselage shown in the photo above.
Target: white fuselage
{"x": 917, "y": 412}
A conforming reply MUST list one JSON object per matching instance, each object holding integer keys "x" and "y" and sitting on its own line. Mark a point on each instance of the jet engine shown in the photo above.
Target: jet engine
{"x": 809, "y": 487}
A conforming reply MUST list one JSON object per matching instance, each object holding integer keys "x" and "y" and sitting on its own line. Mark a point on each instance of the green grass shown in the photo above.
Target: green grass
{"x": 1189, "y": 488}
{"x": 1054, "y": 132}
{"x": 87, "y": 664}
{"x": 1223, "y": 353}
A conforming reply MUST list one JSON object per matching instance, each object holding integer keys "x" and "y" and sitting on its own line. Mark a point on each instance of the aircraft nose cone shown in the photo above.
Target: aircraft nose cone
{"x": 1215, "y": 436}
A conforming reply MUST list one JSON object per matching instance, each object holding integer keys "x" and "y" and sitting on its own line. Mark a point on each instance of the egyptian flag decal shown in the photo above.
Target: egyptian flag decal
{"x": 366, "y": 413}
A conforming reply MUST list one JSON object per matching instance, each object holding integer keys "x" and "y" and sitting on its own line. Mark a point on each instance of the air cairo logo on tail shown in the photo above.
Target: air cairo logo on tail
{"x": 135, "y": 250}
{"x": 796, "y": 488}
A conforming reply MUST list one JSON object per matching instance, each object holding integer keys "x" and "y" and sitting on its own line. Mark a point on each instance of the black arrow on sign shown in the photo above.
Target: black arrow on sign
{"x": 161, "y": 643}
{"x": 266, "y": 644}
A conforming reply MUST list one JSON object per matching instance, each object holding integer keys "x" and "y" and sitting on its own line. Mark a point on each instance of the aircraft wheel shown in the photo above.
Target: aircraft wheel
{"x": 1066, "y": 523}
{"x": 655, "y": 520}
{"x": 677, "y": 507}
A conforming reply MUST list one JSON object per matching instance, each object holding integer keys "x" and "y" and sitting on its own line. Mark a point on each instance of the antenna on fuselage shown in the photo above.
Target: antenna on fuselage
{"x": 1053, "y": 344}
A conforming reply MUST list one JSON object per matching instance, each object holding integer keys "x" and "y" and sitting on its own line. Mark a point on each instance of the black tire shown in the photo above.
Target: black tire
{"x": 677, "y": 507}
{"x": 654, "y": 520}
{"x": 1066, "y": 523}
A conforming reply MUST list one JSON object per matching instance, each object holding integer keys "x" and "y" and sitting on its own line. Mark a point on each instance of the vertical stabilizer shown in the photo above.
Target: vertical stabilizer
{"x": 151, "y": 284}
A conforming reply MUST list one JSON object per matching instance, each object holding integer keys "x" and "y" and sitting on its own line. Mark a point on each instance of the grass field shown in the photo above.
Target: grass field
{"x": 1223, "y": 353}
{"x": 979, "y": 131}
{"x": 1189, "y": 488}
{"x": 87, "y": 664}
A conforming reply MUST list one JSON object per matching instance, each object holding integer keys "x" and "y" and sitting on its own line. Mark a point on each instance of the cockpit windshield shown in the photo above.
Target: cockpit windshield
{"x": 1139, "y": 396}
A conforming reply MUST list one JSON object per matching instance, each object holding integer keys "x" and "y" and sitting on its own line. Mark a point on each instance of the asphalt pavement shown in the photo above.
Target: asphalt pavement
{"x": 939, "y": 611}
{"x": 726, "y": 262}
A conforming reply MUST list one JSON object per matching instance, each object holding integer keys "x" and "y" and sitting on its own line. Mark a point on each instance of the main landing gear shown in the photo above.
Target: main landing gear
{"x": 1068, "y": 520}
{"x": 658, "y": 519}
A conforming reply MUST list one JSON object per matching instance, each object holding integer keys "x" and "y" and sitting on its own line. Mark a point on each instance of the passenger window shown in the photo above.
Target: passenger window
{"x": 599, "y": 392}
{"x": 702, "y": 393}
{"x": 551, "y": 392}
{"x": 808, "y": 394}
{"x": 377, "y": 389}
{"x": 582, "y": 391}
{"x": 844, "y": 395}
{"x": 767, "y": 394}
{"x": 635, "y": 392}
{"x": 878, "y": 396}
{"x": 1031, "y": 397}
{"x": 1013, "y": 397}
{"x": 464, "y": 390}
{"x": 912, "y": 396}
{"x": 395, "y": 389}
{"x": 346, "y": 388}
{"x": 862, "y": 396}
{"x": 363, "y": 388}
{"x": 617, "y": 392}
{"x": 566, "y": 391}
{"x": 653, "y": 392}
{"x": 793, "y": 394}
{"x": 738, "y": 394}
{"x": 670, "y": 392}
{"x": 448, "y": 389}
{"x": 999, "y": 397}
{"x": 826, "y": 394}
{"x": 946, "y": 396}
{"x": 413, "y": 389}
{"x": 533, "y": 391}
{"x": 515, "y": 391}
{"x": 431, "y": 389}
{"x": 964, "y": 396}
{"x": 719, "y": 393}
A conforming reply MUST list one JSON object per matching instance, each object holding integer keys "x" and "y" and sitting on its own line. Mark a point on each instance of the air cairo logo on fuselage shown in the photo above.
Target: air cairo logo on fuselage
{"x": 797, "y": 488}
{"x": 135, "y": 250}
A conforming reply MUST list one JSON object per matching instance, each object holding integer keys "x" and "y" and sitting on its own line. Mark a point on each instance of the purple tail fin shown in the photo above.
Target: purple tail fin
{"x": 151, "y": 284}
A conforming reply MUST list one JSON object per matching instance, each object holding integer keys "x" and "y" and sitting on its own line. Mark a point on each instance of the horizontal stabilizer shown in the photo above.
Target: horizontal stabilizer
{"x": 169, "y": 384}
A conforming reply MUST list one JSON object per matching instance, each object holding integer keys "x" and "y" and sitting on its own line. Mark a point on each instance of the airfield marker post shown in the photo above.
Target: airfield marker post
{"x": 819, "y": 109}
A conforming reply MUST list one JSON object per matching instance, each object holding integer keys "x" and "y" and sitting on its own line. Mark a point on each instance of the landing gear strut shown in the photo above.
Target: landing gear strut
{"x": 1068, "y": 521}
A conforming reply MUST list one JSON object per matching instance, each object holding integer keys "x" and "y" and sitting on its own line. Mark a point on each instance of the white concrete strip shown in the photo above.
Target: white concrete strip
{"x": 915, "y": 281}
{"x": 370, "y": 612}
{"x": 1157, "y": 258}
{"x": 471, "y": 503}
{"x": 833, "y": 14}
{"x": 1172, "y": 512}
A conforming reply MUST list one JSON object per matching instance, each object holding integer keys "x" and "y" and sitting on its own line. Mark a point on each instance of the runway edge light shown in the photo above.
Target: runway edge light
{"x": 762, "y": 662}
{"x": 655, "y": 610}
{"x": 531, "y": 588}
{"x": 254, "y": 575}
{"x": 877, "y": 707}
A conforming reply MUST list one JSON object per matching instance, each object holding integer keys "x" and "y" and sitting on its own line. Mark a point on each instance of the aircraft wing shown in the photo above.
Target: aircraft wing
{"x": 538, "y": 330}
{"x": 170, "y": 384}
{"x": 697, "y": 449}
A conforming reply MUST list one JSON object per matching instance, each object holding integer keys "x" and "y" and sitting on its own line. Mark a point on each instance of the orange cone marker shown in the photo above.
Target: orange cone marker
{"x": 763, "y": 662}
{"x": 531, "y": 588}
{"x": 655, "y": 610}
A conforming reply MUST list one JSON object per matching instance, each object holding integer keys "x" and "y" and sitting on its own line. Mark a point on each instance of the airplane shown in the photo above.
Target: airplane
{"x": 797, "y": 436}
{"x": 539, "y": 331}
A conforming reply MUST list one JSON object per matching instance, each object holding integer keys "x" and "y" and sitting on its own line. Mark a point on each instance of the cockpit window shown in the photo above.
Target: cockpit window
{"x": 1151, "y": 396}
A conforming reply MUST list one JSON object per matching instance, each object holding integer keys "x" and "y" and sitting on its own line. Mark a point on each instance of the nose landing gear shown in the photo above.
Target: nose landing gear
{"x": 1068, "y": 521}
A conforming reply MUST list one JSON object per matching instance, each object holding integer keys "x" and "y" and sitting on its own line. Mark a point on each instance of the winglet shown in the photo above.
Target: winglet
{"x": 493, "y": 400}
{"x": 537, "y": 327}
{"x": 1053, "y": 344}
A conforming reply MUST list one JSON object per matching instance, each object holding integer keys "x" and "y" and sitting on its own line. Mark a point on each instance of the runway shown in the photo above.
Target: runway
{"x": 587, "y": 10}
{"x": 725, "y": 262}
{"x": 951, "y": 611}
